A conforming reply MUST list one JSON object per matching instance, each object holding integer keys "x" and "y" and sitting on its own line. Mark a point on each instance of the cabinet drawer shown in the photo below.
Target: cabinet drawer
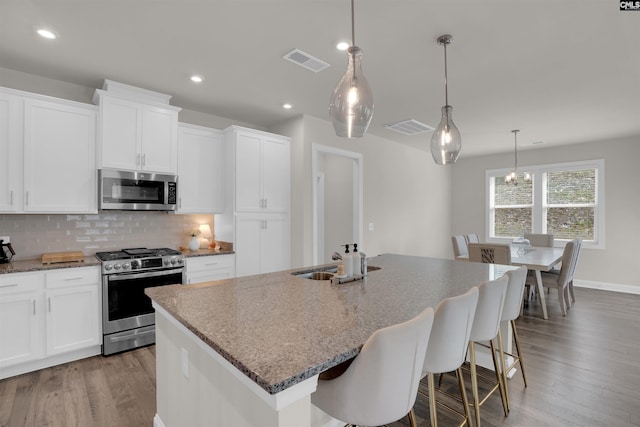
{"x": 21, "y": 282}
{"x": 204, "y": 263}
{"x": 73, "y": 277}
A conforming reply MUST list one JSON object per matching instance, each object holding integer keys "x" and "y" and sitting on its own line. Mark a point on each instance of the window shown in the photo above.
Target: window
{"x": 566, "y": 200}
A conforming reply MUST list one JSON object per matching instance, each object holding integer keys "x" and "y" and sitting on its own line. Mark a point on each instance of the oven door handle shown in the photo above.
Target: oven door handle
{"x": 131, "y": 276}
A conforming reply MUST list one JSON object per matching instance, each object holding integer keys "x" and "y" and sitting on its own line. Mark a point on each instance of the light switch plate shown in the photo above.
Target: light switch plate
{"x": 185, "y": 363}
{"x": 370, "y": 226}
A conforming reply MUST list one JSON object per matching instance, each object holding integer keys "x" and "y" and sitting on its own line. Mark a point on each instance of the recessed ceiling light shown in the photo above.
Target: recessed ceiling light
{"x": 537, "y": 142}
{"x": 47, "y": 34}
{"x": 196, "y": 79}
{"x": 342, "y": 46}
{"x": 287, "y": 106}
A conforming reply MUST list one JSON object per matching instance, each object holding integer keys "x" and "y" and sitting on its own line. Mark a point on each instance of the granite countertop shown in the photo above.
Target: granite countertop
{"x": 205, "y": 252}
{"x": 280, "y": 329}
{"x": 21, "y": 266}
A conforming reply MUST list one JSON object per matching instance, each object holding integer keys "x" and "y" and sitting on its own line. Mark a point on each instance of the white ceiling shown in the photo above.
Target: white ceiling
{"x": 562, "y": 71}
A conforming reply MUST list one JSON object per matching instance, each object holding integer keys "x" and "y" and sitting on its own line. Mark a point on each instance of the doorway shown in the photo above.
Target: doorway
{"x": 337, "y": 200}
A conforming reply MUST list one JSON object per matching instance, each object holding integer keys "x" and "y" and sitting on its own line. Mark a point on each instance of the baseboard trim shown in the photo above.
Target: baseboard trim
{"x": 614, "y": 287}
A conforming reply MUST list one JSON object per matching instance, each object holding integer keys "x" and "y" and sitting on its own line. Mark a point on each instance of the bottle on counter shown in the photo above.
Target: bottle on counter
{"x": 355, "y": 257}
{"x": 347, "y": 261}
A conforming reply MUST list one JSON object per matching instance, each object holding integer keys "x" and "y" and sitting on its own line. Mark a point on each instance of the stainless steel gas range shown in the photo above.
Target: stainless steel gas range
{"x": 128, "y": 319}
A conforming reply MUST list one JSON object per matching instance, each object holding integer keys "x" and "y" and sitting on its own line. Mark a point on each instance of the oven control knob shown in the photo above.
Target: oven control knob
{"x": 173, "y": 261}
{"x": 125, "y": 266}
{"x": 167, "y": 262}
{"x": 117, "y": 266}
{"x": 180, "y": 261}
{"x": 108, "y": 267}
{"x": 135, "y": 264}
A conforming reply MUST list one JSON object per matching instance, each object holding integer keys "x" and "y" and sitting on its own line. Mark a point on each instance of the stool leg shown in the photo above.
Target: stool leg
{"x": 474, "y": 382}
{"x": 412, "y": 419}
{"x": 500, "y": 370}
{"x": 432, "y": 401}
{"x": 463, "y": 393}
{"x": 517, "y": 344}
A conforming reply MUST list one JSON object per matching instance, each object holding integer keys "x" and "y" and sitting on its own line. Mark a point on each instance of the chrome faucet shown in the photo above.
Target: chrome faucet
{"x": 336, "y": 256}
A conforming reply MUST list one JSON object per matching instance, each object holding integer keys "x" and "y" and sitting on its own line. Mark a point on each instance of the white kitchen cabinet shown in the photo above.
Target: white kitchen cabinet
{"x": 200, "y": 169}
{"x": 208, "y": 268}
{"x": 47, "y": 154}
{"x": 21, "y": 318}
{"x": 73, "y": 320}
{"x": 48, "y": 317}
{"x": 59, "y": 157}
{"x": 262, "y": 243}
{"x": 11, "y": 148}
{"x": 262, "y": 170}
{"x": 138, "y": 129}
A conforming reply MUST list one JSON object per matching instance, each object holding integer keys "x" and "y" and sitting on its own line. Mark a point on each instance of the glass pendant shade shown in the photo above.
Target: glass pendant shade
{"x": 446, "y": 141}
{"x": 351, "y": 105}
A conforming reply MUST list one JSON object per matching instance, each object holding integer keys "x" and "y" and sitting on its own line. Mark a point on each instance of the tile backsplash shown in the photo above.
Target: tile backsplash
{"x": 34, "y": 235}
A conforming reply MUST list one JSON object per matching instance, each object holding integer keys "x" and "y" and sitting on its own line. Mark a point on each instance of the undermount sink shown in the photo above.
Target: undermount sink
{"x": 324, "y": 273}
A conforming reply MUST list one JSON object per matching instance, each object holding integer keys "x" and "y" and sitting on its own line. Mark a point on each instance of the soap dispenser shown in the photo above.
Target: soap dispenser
{"x": 347, "y": 261}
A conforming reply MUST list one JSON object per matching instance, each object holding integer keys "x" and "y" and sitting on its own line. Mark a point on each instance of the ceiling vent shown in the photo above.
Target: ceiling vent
{"x": 305, "y": 60}
{"x": 409, "y": 127}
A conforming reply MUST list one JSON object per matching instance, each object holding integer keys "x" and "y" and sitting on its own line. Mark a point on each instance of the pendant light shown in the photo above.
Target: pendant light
{"x": 351, "y": 105}
{"x": 445, "y": 141}
{"x": 512, "y": 178}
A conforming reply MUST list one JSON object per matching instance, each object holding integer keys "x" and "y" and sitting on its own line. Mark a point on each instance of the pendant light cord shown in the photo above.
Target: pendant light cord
{"x": 515, "y": 136}
{"x": 446, "y": 90}
{"x": 353, "y": 25}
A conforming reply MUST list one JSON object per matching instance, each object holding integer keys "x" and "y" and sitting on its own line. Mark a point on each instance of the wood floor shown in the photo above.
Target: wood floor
{"x": 582, "y": 370}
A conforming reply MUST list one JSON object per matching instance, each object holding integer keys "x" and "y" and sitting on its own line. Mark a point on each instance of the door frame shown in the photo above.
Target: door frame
{"x": 358, "y": 204}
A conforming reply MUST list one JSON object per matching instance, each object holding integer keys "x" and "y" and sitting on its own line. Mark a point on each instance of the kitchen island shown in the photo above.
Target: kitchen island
{"x": 248, "y": 351}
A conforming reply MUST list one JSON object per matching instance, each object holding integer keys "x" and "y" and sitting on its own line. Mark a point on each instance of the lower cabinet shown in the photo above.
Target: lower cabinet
{"x": 262, "y": 243}
{"x": 73, "y": 317}
{"x": 208, "y": 268}
{"x": 48, "y": 317}
{"x": 22, "y": 318}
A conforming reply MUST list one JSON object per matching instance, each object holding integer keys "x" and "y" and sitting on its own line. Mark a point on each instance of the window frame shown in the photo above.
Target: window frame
{"x": 539, "y": 207}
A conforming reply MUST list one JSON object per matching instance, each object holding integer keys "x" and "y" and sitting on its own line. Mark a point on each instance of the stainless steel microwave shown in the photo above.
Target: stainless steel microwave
{"x": 137, "y": 191}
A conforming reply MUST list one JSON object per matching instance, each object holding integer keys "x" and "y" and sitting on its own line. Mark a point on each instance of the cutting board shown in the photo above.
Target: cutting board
{"x": 56, "y": 257}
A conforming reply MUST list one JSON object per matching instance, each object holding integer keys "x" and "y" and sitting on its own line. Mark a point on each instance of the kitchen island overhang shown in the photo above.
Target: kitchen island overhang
{"x": 233, "y": 350}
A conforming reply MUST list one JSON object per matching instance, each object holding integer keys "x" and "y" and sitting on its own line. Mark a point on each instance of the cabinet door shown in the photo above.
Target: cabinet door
{"x": 60, "y": 172}
{"x": 275, "y": 253}
{"x": 200, "y": 171}
{"x": 11, "y": 163}
{"x": 21, "y": 328}
{"x": 248, "y": 172}
{"x": 247, "y": 245}
{"x": 159, "y": 140}
{"x": 121, "y": 133}
{"x": 73, "y": 319}
{"x": 276, "y": 174}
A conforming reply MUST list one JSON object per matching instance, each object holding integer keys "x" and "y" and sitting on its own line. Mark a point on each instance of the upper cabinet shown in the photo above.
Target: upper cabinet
{"x": 47, "y": 154}
{"x": 200, "y": 170}
{"x": 138, "y": 129}
{"x": 262, "y": 170}
{"x": 11, "y": 148}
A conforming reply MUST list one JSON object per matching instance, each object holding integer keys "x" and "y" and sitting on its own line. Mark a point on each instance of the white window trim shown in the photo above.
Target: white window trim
{"x": 538, "y": 198}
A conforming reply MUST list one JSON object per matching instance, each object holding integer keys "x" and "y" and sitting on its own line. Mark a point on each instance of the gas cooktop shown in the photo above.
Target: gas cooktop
{"x": 133, "y": 253}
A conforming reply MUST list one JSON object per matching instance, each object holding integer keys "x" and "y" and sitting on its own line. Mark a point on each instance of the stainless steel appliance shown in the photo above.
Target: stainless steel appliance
{"x": 137, "y": 191}
{"x": 128, "y": 319}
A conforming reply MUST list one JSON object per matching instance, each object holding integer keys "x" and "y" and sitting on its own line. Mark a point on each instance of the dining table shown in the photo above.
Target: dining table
{"x": 536, "y": 259}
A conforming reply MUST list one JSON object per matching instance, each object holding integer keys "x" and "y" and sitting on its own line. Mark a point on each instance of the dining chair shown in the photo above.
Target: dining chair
{"x": 381, "y": 384}
{"x": 540, "y": 240}
{"x": 493, "y": 253}
{"x": 561, "y": 279}
{"x": 576, "y": 255}
{"x": 510, "y": 312}
{"x": 447, "y": 348}
{"x": 459, "y": 246}
{"x": 472, "y": 238}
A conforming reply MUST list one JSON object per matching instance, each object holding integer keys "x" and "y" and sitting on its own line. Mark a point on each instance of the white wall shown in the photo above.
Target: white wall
{"x": 406, "y": 195}
{"x": 618, "y": 262}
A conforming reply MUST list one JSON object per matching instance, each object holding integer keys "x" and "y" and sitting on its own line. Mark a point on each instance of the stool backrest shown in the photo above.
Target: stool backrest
{"x": 488, "y": 315}
{"x": 515, "y": 293}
